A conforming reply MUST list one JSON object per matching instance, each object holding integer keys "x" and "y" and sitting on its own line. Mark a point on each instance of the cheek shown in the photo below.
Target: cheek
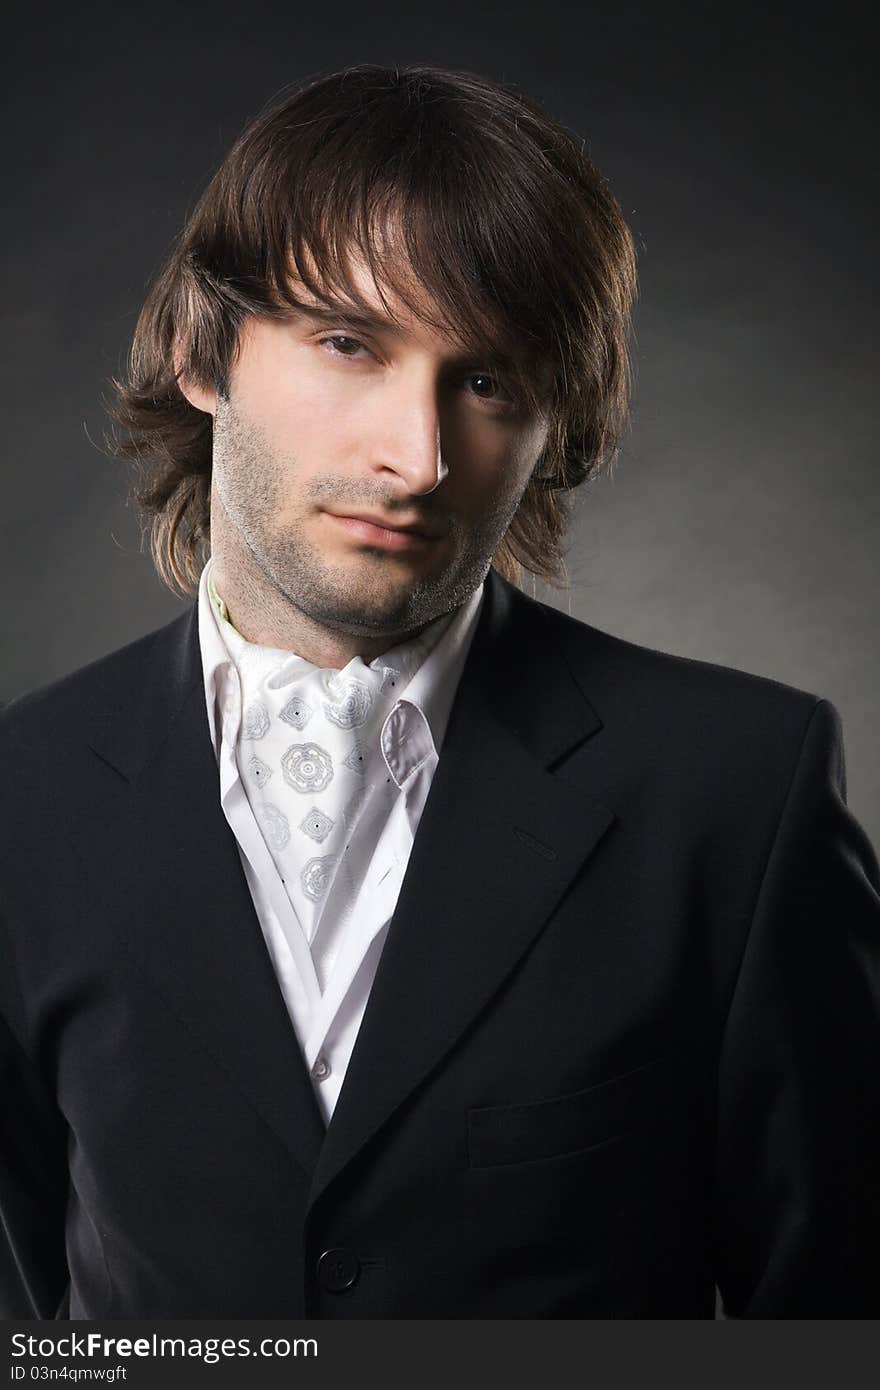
{"x": 310, "y": 424}
{"x": 305, "y": 431}
{"x": 493, "y": 477}
{"x": 301, "y": 407}
{"x": 289, "y": 416}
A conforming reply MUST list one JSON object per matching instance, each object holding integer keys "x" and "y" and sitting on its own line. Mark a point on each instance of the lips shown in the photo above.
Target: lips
{"x": 379, "y": 533}
{"x": 410, "y": 528}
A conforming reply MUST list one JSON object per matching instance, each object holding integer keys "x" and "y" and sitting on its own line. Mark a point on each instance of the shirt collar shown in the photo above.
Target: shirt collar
{"x": 431, "y": 664}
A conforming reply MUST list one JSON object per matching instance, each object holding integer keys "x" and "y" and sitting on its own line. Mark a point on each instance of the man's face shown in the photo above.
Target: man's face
{"x": 369, "y": 469}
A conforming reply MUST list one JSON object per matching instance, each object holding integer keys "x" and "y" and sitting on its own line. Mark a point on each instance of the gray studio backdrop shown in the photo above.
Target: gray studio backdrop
{"x": 740, "y": 524}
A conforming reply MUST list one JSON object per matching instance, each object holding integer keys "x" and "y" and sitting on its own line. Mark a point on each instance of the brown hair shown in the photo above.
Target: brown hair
{"x": 505, "y": 222}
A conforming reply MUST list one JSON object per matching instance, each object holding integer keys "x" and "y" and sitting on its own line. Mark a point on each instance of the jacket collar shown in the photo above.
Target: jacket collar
{"x": 518, "y": 662}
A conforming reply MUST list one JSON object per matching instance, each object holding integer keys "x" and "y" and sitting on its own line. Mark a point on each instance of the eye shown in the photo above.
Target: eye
{"x": 342, "y": 344}
{"x": 489, "y": 388}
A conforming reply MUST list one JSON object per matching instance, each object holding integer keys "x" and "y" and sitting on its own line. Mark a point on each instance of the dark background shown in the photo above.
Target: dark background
{"x": 741, "y": 523}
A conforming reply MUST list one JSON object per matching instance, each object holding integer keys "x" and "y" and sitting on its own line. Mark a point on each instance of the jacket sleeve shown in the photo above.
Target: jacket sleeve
{"x": 797, "y": 1196}
{"x": 33, "y": 1184}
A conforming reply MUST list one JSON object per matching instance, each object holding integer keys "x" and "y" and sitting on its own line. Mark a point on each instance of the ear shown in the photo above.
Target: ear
{"x": 201, "y": 397}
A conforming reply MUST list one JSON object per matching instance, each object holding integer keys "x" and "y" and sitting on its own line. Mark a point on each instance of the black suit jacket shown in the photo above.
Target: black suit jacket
{"x": 623, "y": 1043}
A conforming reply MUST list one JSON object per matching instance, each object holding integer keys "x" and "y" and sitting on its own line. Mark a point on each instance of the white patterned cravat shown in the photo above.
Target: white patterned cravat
{"x": 309, "y": 756}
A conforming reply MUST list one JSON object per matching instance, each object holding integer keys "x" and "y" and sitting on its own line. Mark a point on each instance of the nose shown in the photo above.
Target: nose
{"x": 408, "y": 437}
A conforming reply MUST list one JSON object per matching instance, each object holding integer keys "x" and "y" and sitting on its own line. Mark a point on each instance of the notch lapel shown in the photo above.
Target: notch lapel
{"x": 500, "y": 840}
{"x": 165, "y": 867}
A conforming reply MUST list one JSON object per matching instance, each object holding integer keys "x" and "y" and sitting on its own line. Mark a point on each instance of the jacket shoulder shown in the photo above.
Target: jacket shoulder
{"x": 648, "y": 678}
{"x": 101, "y": 687}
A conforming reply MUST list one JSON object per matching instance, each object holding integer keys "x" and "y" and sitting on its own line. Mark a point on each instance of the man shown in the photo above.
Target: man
{"x": 378, "y": 941}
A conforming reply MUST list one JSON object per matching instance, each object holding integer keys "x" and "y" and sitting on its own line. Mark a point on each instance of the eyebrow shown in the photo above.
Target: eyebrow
{"x": 349, "y": 315}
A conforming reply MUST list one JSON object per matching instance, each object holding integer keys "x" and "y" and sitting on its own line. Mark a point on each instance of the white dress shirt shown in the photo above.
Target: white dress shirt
{"x": 326, "y": 982}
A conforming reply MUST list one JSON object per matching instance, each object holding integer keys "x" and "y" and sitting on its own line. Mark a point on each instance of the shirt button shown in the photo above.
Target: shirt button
{"x": 321, "y": 1069}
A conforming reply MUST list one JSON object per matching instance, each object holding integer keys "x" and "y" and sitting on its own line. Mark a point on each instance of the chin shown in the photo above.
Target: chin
{"x": 378, "y": 614}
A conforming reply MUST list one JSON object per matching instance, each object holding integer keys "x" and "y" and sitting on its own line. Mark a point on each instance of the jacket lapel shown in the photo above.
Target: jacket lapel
{"x": 166, "y": 868}
{"x": 499, "y": 841}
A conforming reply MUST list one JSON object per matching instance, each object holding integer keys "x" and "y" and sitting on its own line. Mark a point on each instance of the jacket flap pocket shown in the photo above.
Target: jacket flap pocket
{"x": 579, "y": 1120}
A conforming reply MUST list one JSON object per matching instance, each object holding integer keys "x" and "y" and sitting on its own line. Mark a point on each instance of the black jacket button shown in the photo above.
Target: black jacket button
{"x": 338, "y": 1269}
